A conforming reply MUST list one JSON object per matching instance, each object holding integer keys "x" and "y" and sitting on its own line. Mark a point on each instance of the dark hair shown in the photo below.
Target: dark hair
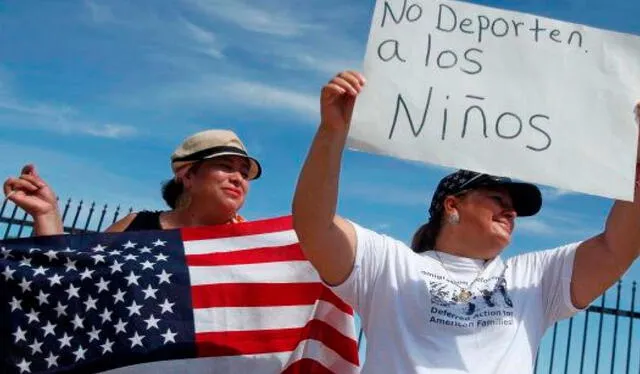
{"x": 424, "y": 238}
{"x": 171, "y": 191}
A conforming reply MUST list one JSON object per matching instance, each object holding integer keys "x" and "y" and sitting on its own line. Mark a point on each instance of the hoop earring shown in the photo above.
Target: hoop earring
{"x": 453, "y": 218}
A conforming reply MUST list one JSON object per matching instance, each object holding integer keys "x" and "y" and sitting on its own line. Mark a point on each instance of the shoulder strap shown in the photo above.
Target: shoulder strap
{"x": 145, "y": 220}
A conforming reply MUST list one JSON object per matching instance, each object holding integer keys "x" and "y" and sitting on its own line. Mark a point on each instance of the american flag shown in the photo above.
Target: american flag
{"x": 236, "y": 298}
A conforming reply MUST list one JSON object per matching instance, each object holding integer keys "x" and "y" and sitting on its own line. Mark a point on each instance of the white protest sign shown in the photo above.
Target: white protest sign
{"x": 501, "y": 92}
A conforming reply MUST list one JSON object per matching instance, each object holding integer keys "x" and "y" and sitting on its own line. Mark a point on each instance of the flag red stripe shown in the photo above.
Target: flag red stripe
{"x": 263, "y": 294}
{"x": 330, "y": 297}
{"x": 254, "y": 294}
{"x": 290, "y": 252}
{"x": 307, "y": 366}
{"x": 321, "y": 331}
{"x": 237, "y": 343}
{"x": 239, "y": 229}
{"x": 234, "y": 343}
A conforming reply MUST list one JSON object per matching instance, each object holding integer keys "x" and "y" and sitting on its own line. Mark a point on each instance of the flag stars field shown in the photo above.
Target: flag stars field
{"x": 79, "y": 305}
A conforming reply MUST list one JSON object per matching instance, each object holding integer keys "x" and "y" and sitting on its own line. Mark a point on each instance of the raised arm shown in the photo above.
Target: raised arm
{"x": 327, "y": 240}
{"x": 603, "y": 259}
{"x": 31, "y": 193}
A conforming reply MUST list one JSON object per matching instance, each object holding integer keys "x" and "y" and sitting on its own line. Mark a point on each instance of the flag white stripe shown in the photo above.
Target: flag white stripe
{"x": 251, "y": 318}
{"x": 274, "y": 239}
{"x": 274, "y": 272}
{"x": 315, "y": 350}
{"x": 271, "y": 318}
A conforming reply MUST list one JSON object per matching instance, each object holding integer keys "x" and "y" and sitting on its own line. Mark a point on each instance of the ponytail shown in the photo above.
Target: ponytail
{"x": 424, "y": 238}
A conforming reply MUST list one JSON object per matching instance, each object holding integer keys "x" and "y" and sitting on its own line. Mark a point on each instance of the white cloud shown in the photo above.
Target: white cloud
{"x": 36, "y": 110}
{"x": 99, "y": 13}
{"x": 227, "y": 93}
{"x": 536, "y": 226}
{"x": 199, "y": 34}
{"x": 205, "y": 41}
{"x": 289, "y": 38}
{"x": 382, "y": 227}
{"x": 317, "y": 60}
{"x": 559, "y": 223}
{"x": 553, "y": 194}
{"x": 273, "y": 97}
{"x": 201, "y": 70}
{"x": 57, "y": 118}
{"x": 169, "y": 34}
{"x": 249, "y": 17}
{"x": 184, "y": 63}
{"x": 387, "y": 194}
{"x": 112, "y": 131}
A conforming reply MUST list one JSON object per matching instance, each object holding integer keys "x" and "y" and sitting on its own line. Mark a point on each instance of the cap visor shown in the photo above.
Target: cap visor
{"x": 526, "y": 197}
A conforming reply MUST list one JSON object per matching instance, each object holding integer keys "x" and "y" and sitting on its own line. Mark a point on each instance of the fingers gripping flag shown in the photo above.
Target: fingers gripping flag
{"x": 227, "y": 299}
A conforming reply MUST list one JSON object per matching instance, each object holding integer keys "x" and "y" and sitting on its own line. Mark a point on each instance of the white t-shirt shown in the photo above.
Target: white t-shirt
{"x": 414, "y": 325}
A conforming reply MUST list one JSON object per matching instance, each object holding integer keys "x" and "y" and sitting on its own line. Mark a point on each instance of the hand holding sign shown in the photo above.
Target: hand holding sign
{"x": 338, "y": 98}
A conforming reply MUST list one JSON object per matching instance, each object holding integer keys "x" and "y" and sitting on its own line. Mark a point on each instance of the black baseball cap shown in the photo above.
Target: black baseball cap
{"x": 526, "y": 197}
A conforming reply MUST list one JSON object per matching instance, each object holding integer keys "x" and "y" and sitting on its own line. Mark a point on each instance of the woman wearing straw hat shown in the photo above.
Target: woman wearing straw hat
{"x": 212, "y": 171}
{"x": 450, "y": 304}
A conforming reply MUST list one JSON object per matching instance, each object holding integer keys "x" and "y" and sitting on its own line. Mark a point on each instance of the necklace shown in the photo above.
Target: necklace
{"x": 465, "y": 293}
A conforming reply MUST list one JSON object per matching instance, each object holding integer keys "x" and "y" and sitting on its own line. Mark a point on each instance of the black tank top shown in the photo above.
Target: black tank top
{"x": 145, "y": 220}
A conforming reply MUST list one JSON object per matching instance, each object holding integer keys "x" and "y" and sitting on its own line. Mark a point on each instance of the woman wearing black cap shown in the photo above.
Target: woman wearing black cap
{"x": 450, "y": 304}
{"x": 212, "y": 171}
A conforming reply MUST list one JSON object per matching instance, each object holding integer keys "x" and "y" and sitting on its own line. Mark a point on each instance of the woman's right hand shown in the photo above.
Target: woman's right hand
{"x": 338, "y": 99}
{"x": 31, "y": 193}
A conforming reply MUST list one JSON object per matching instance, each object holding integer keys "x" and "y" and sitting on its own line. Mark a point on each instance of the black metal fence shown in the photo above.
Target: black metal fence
{"x": 16, "y": 223}
{"x": 603, "y": 339}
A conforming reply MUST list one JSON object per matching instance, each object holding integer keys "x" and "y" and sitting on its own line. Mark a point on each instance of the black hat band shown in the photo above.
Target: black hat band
{"x": 201, "y": 155}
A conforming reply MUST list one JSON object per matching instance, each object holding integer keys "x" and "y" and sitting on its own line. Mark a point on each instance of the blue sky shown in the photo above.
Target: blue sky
{"x": 98, "y": 93}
